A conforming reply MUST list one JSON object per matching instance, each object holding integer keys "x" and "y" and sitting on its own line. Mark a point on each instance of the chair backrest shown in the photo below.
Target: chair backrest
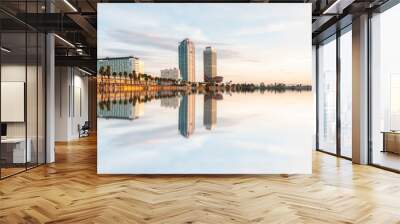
{"x": 86, "y": 125}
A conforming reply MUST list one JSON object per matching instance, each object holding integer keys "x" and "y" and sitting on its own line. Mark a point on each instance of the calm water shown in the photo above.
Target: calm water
{"x": 238, "y": 133}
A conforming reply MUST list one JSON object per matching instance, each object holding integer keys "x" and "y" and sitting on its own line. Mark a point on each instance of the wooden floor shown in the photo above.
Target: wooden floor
{"x": 5, "y": 172}
{"x": 70, "y": 191}
{"x": 387, "y": 159}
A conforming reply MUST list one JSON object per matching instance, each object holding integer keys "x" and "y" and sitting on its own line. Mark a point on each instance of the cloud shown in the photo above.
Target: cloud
{"x": 145, "y": 39}
{"x": 119, "y": 51}
{"x": 157, "y": 41}
{"x": 228, "y": 53}
{"x": 269, "y": 28}
{"x": 126, "y": 42}
{"x": 257, "y": 40}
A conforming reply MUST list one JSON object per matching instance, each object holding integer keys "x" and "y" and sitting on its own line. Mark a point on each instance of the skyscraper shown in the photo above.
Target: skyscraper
{"x": 187, "y": 60}
{"x": 210, "y": 112}
{"x": 210, "y": 64}
{"x": 186, "y": 123}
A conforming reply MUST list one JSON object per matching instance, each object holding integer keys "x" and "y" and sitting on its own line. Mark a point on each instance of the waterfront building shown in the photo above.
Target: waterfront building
{"x": 172, "y": 73}
{"x": 170, "y": 102}
{"x": 210, "y": 64}
{"x": 128, "y": 111}
{"x": 138, "y": 66}
{"x": 186, "y": 52}
{"x": 122, "y": 64}
{"x": 186, "y": 123}
{"x": 138, "y": 109}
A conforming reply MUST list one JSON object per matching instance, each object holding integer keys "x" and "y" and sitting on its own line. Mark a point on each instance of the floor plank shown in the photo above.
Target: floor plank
{"x": 70, "y": 191}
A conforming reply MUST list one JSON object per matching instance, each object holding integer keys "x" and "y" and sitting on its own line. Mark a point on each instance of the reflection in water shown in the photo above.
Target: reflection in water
{"x": 210, "y": 111}
{"x": 172, "y": 102}
{"x": 186, "y": 122}
{"x": 130, "y": 105}
{"x": 120, "y": 110}
{"x": 134, "y": 108}
{"x": 234, "y": 139}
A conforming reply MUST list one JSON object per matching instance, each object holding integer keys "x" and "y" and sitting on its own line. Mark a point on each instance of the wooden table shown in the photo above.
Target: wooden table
{"x": 391, "y": 141}
{"x": 13, "y": 150}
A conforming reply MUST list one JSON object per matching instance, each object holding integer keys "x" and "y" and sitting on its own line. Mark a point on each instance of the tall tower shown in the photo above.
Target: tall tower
{"x": 186, "y": 122}
{"x": 210, "y": 112}
{"x": 187, "y": 60}
{"x": 210, "y": 64}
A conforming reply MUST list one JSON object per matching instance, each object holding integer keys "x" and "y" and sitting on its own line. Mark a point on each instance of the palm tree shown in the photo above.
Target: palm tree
{"x": 143, "y": 76}
{"x": 108, "y": 104}
{"x": 101, "y": 104}
{"x": 120, "y": 77}
{"x": 139, "y": 76}
{"x": 125, "y": 75}
{"x": 114, "y": 74}
{"x": 101, "y": 73}
{"x": 130, "y": 77}
{"x": 108, "y": 74}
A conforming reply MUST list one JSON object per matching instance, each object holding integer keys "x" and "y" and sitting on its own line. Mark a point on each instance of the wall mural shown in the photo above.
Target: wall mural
{"x": 204, "y": 89}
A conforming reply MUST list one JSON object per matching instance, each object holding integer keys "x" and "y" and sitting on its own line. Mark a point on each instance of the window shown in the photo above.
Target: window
{"x": 23, "y": 77}
{"x": 327, "y": 96}
{"x": 346, "y": 92}
{"x": 385, "y": 89}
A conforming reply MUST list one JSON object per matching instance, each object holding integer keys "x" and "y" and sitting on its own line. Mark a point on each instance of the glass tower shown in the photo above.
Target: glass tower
{"x": 210, "y": 64}
{"x": 186, "y": 123}
{"x": 187, "y": 60}
{"x": 210, "y": 112}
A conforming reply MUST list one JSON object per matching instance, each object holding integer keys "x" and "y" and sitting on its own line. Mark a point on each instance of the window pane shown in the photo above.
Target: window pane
{"x": 327, "y": 97}
{"x": 346, "y": 93}
{"x": 13, "y": 87}
{"x": 41, "y": 99}
{"x": 386, "y": 89}
{"x": 23, "y": 87}
{"x": 31, "y": 98}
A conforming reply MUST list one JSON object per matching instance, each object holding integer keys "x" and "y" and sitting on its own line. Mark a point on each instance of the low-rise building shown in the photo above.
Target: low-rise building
{"x": 172, "y": 73}
{"x": 122, "y": 64}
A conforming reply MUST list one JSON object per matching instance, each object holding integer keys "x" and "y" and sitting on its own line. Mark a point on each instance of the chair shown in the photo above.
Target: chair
{"x": 84, "y": 130}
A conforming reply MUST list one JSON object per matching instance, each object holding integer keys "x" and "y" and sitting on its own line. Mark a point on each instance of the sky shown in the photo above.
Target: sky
{"x": 254, "y": 42}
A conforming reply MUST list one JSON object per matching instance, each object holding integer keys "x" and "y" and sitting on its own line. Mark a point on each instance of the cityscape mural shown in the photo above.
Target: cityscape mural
{"x": 204, "y": 89}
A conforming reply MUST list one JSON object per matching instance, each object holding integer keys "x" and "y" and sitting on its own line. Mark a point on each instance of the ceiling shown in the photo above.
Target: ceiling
{"x": 75, "y": 21}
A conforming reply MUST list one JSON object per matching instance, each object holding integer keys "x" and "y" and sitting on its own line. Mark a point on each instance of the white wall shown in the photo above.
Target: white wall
{"x": 71, "y": 102}
{"x": 80, "y": 110}
{"x": 16, "y": 73}
{"x": 13, "y": 101}
{"x": 62, "y": 82}
{"x": 33, "y": 126}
